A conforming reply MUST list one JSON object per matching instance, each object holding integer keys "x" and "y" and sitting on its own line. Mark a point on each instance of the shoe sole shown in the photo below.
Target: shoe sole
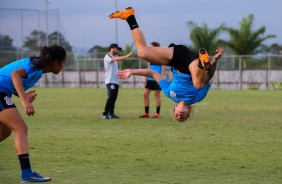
{"x": 204, "y": 58}
{"x": 123, "y": 14}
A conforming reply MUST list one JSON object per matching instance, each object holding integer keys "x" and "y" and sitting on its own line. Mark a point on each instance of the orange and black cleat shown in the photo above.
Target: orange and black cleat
{"x": 204, "y": 58}
{"x": 156, "y": 115}
{"x": 144, "y": 115}
{"x": 123, "y": 14}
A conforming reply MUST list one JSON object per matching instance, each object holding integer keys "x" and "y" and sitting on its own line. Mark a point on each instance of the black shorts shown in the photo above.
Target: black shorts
{"x": 182, "y": 58}
{"x": 5, "y": 102}
{"x": 152, "y": 85}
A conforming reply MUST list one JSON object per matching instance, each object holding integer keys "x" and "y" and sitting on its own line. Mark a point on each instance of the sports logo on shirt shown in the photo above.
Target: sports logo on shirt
{"x": 172, "y": 94}
{"x": 8, "y": 100}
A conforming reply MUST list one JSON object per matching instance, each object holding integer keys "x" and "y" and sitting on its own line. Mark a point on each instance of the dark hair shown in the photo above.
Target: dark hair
{"x": 48, "y": 55}
{"x": 114, "y": 45}
{"x": 155, "y": 44}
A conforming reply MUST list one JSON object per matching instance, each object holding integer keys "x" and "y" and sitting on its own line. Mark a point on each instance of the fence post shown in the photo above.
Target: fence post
{"x": 97, "y": 74}
{"x": 46, "y": 80}
{"x": 268, "y": 73}
{"x": 79, "y": 73}
{"x": 240, "y": 73}
{"x": 217, "y": 75}
{"x": 62, "y": 79}
{"x": 139, "y": 63}
{"x": 134, "y": 81}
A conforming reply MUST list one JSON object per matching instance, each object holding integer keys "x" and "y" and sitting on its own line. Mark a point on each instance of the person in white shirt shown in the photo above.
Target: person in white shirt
{"x": 111, "y": 79}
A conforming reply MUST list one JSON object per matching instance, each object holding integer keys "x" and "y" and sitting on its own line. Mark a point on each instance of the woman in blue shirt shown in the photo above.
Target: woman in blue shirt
{"x": 192, "y": 70}
{"x": 15, "y": 79}
{"x": 152, "y": 85}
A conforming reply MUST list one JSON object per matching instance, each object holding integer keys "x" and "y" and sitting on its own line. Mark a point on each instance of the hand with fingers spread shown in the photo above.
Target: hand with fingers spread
{"x": 124, "y": 74}
{"x": 219, "y": 51}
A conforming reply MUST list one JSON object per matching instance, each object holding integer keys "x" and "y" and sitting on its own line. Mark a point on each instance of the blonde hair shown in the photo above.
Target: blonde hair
{"x": 191, "y": 109}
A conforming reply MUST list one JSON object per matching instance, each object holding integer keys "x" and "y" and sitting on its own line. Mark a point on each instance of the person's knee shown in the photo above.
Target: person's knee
{"x": 157, "y": 95}
{"x": 146, "y": 95}
{"x": 21, "y": 128}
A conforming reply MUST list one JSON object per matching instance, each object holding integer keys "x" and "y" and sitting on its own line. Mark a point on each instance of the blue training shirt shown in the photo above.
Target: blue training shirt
{"x": 6, "y": 83}
{"x": 182, "y": 88}
{"x": 157, "y": 68}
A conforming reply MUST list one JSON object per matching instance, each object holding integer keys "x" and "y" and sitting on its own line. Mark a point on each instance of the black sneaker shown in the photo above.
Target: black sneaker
{"x": 113, "y": 116}
{"x": 106, "y": 117}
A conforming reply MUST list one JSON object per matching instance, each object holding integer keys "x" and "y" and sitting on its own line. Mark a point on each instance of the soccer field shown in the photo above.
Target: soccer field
{"x": 232, "y": 137}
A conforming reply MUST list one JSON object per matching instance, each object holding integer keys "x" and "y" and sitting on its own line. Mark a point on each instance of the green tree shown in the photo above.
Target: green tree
{"x": 56, "y": 38}
{"x": 7, "y": 50}
{"x": 6, "y": 43}
{"x": 245, "y": 40}
{"x": 204, "y": 37}
{"x": 272, "y": 49}
{"x": 98, "y": 48}
{"x": 36, "y": 40}
{"x": 133, "y": 61}
{"x": 98, "y": 51}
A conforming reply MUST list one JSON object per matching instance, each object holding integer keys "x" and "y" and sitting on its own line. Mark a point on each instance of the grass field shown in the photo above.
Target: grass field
{"x": 232, "y": 137}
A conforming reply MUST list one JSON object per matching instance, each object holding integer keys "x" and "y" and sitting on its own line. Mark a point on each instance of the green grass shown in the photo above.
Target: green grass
{"x": 232, "y": 137}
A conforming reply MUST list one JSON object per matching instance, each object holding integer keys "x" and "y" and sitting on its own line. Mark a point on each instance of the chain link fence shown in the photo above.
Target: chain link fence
{"x": 233, "y": 72}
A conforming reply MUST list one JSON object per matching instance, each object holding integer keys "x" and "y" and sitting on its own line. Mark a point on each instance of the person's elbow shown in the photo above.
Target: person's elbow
{"x": 14, "y": 74}
{"x": 156, "y": 76}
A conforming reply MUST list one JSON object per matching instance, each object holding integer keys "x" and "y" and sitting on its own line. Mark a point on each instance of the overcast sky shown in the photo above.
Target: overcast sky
{"x": 85, "y": 23}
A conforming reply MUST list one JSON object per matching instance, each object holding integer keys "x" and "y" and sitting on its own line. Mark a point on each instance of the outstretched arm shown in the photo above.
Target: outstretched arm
{"x": 125, "y": 74}
{"x": 219, "y": 51}
{"x": 212, "y": 68}
{"x": 120, "y": 58}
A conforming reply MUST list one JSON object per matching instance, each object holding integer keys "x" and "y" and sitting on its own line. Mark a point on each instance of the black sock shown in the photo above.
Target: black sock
{"x": 24, "y": 161}
{"x": 158, "y": 109}
{"x": 132, "y": 22}
{"x": 147, "y": 109}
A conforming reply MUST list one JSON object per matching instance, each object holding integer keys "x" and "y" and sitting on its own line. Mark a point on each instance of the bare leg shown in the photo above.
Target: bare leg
{"x": 5, "y": 132}
{"x": 12, "y": 119}
{"x": 158, "y": 97}
{"x": 155, "y": 55}
{"x": 146, "y": 97}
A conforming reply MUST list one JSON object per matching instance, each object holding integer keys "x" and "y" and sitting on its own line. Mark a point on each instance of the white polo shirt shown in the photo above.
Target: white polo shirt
{"x": 111, "y": 70}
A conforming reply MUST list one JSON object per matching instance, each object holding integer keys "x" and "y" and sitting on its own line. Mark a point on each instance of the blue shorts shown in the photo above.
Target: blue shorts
{"x": 5, "y": 102}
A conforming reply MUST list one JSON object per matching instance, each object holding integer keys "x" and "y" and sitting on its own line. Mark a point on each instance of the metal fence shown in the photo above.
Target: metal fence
{"x": 233, "y": 72}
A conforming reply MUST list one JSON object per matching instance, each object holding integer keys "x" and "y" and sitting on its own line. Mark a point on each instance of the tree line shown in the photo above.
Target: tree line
{"x": 244, "y": 40}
